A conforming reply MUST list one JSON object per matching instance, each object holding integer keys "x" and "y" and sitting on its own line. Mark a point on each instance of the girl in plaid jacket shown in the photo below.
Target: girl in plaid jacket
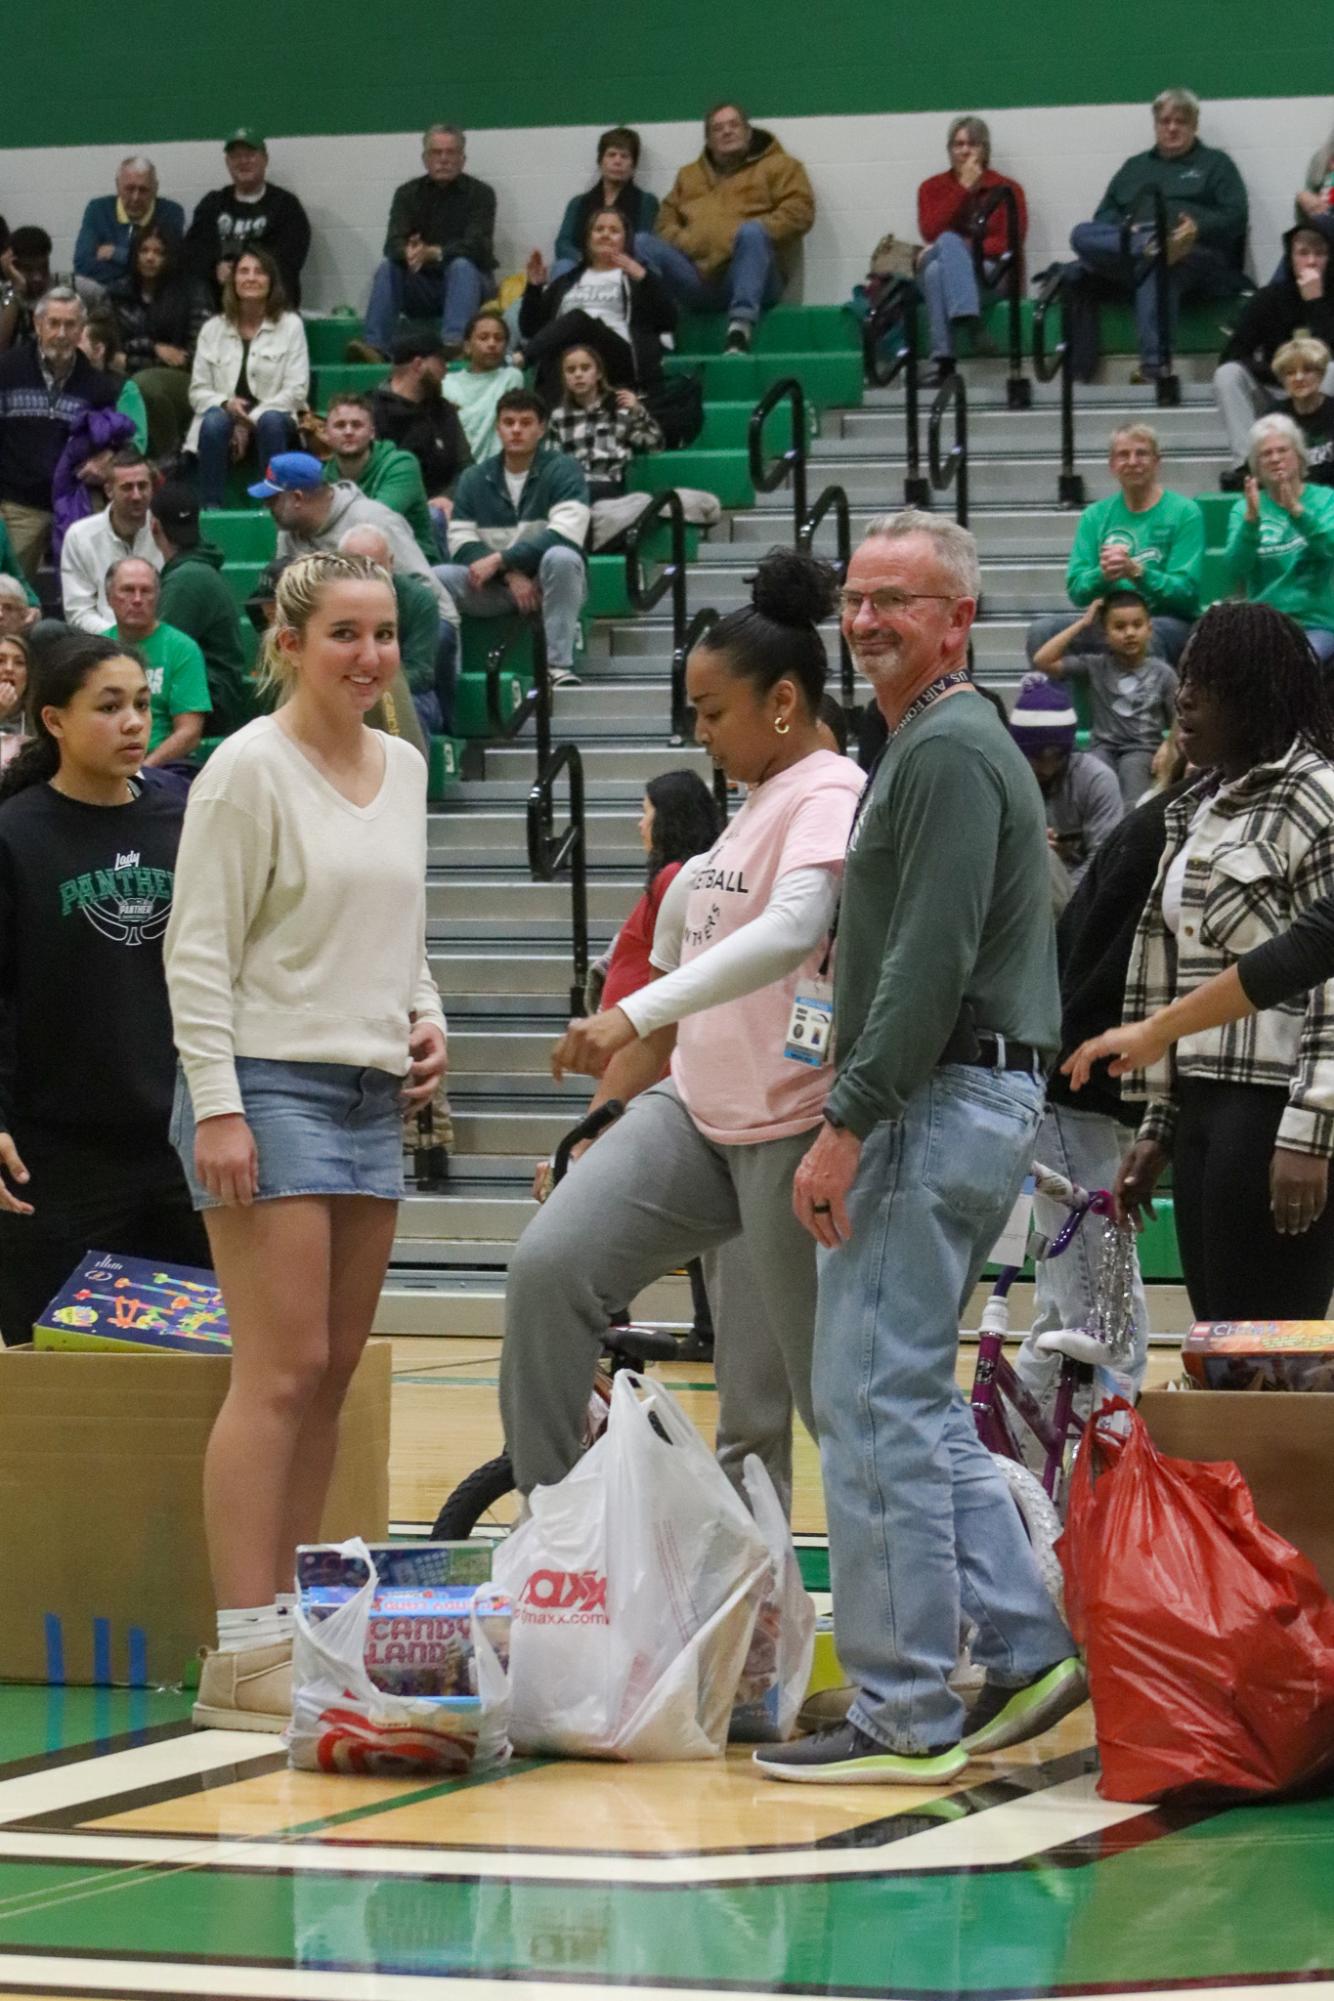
{"x": 1244, "y": 1112}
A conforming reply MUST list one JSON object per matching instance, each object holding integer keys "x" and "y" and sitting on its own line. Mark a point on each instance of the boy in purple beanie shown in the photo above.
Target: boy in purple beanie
{"x": 1081, "y": 794}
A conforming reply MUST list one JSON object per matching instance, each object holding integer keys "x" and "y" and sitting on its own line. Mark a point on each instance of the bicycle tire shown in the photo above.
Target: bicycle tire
{"x": 1041, "y": 1522}
{"x": 464, "y": 1508}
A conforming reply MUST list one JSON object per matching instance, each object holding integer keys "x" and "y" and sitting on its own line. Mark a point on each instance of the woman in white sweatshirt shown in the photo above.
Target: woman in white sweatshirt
{"x": 305, "y": 1018}
{"x": 251, "y": 375}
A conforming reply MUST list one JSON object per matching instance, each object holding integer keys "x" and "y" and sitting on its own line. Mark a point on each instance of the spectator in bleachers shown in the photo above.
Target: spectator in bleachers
{"x": 1280, "y": 544}
{"x": 251, "y": 375}
{"x": 427, "y": 649}
{"x": 947, "y": 205}
{"x": 609, "y": 302}
{"x": 517, "y": 533}
{"x": 1298, "y": 300}
{"x": 439, "y": 258}
{"x": 106, "y": 238}
{"x": 729, "y": 227}
{"x": 410, "y": 411}
{"x": 177, "y": 676}
{"x": 26, "y": 265}
{"x": 1206, "y": 208}
{"x": 19, "y": 606}
{"x": 92, "y": 545}
{"x": 615, "y": 187}
{"x": 604, "y": 429}
{"x": 382, "y": 471}
{"x": 100, "y": 341}
{"x": 1132, "y": 696}
{"x": 1144, "y": 538}
{"x": 249, "y": 213}
{"x": 46, "y": 389}
{"x": 15, "y": 664}
{"x": 1080, "y": 793}
{"x": 1316, "y": 198}
{"x": 1303, "y": 368}
{"x": 194, "y": 598}
{"x": 160, "y": 313}
{"x": 313, "y": 514}
{"x": 476, "y": 390}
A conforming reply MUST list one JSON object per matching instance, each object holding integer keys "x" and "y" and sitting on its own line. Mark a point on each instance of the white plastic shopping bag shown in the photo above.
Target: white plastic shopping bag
{"x": 635, "y": 1583}
{"x": 778, "y": 1667}
{"x": 341, "y": 1722}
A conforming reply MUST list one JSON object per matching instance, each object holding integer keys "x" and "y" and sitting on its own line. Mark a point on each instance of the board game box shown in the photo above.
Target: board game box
{"x": 131, "y": 1305}
{"x": 1260, "y": 1354}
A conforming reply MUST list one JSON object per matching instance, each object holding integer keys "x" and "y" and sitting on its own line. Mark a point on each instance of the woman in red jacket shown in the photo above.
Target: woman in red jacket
{"x": 946, "y": 206}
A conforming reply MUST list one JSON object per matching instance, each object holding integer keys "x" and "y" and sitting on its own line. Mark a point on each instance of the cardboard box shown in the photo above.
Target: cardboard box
{"x": 1284, "y": 1446}
{"x": 101, "y": 1478}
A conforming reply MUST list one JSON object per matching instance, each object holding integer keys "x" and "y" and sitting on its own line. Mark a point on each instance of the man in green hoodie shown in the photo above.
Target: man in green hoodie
{"x": 1206, "y": 211}
{"x": 195, "y": 599}
{"x": 383, "y": 471}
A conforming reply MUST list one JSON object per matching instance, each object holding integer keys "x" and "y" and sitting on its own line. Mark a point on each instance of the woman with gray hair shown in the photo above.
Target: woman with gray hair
{"x": 947, "y": 207}
{"x": 1280, "y": 545}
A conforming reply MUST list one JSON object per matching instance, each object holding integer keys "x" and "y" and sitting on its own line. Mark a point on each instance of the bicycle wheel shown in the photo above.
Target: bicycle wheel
{"x": 1041, "y": 1521}
{"x": 471, "y": 1499}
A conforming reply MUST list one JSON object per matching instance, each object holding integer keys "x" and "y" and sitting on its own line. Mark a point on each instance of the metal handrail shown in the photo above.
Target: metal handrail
{"x": 537, "y": 701}
{"x": 549, "y": 854}
{"x": 898, "y": 307}
{"x": 834, "y": 500}
{"x": 1009, "y": 266}
{"x": 1061, "y": 361}
{"x": 790, "y": 464}
{"x": 1167, "y": 386}
{"x": 690, "y": 638}
{"x": 672, "y": 576}
{"x": 952, "y": 470}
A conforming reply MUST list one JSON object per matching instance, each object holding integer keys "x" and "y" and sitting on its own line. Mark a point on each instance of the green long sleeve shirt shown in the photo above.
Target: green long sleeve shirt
{"x": 1168, "y": 538}
{"x": 394, "y": 478}
{"x": 946, "y": 898}
{"x": 1202, "y": 183}
{"x": 1285, "y": 561}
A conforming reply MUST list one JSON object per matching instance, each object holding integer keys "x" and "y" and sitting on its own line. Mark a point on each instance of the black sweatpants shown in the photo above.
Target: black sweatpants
{"x": 121, "y": 1192}
{"x": 1236, "y": 1264}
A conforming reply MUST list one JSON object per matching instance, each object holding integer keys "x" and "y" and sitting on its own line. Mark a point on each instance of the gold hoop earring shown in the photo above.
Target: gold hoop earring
{"x": 781, "y": 725}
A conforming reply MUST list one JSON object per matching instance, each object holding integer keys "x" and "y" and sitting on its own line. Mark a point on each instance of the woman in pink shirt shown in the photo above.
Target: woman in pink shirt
{"x": 742, "y": 942}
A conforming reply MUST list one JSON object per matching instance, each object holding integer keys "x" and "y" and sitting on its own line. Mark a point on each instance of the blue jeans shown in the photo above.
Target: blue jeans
{"x": 1322, "y": 642}
{"x": 274, "y": 433}
{"x": 1201, "y": 273}
{"x": 921, "y": 1525}
{"x": 454, "y": 290}
{"x": 746, "y": 284}
{"x": 948, "y": 280}
{"x": 563, "y": 578}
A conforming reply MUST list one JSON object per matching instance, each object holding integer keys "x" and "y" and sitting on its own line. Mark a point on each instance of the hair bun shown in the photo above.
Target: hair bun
{"x": 793, "y": 590}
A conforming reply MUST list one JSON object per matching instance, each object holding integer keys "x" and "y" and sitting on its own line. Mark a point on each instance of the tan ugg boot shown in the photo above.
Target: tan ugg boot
{"x": 250, "y": 1690}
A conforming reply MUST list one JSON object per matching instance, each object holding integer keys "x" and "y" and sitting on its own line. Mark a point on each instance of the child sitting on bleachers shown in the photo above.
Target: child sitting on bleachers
{"x": 477, "y": 389}
{"x": 1132, "y": 695}
{"x": 604, "y": 429}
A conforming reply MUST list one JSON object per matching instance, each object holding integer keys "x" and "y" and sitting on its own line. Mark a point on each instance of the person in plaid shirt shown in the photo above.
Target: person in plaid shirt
{"x": 604, "y": 429}
{"x": 1244, "y": 1112}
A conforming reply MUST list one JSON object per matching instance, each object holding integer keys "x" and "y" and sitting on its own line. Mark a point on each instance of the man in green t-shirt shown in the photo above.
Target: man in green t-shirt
{"x": 1143, "y": 538}
{"x": 177, "y": 676}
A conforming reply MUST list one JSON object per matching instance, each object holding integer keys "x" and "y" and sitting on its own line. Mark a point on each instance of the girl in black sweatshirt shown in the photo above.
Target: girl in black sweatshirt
{"x": 87, "y": 1065}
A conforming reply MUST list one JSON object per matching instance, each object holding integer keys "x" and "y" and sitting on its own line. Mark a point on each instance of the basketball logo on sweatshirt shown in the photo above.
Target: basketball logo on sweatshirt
{"x": 127, "y": 904}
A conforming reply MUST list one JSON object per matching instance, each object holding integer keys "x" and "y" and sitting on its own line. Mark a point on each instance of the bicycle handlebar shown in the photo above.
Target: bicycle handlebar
{"x": 588, "y": 1128}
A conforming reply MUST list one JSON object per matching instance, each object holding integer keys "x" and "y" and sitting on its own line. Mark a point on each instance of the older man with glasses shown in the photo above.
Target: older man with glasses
{"x": 112, "y": 224}
{"x": 946, "y": 1015}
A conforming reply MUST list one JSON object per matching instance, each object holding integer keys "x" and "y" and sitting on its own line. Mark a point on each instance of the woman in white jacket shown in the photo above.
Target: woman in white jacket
{"x": 251, "y": 375}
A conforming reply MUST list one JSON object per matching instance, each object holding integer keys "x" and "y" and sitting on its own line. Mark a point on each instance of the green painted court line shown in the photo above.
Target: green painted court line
{"x": 1247, "y": 1895}
{"x": 425, "y": 1792}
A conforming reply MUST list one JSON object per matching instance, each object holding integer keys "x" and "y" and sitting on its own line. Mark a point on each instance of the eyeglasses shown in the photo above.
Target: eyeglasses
{"x": 885, "y": 603}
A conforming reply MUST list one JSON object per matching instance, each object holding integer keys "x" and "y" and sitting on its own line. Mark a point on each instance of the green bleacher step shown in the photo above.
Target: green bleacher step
{"x": 444, "y": 766}
{"x": 827, "y": 379}
{"x": 344, "y": 377}
{"x": 244, "y": 534}
{"x": 784, "y": 330}
{"x": 478, "y": 637}
{"x": 607, "y": 594}
{"x": 327, "y": 336}
{"x": 471, "y": 715}
{"x": 242, "y": 578}
{"x": 725, "y": 474}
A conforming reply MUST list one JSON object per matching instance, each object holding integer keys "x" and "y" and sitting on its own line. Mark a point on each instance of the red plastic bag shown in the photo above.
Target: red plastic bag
{"x": 1209, "y": 1639}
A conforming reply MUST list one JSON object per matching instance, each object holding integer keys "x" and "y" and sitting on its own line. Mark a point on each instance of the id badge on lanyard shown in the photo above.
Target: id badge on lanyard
{"x": 810, "y": 1026}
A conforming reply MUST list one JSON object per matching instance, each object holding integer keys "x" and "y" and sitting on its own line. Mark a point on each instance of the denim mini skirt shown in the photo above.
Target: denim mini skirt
{"x": 320, "y": 1129}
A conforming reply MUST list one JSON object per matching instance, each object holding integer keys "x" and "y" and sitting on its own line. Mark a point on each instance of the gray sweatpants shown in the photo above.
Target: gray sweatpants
{"x": 652, "y": 1193}
{"x": 1242, "y": 401}
{"x": 564, "y": 582}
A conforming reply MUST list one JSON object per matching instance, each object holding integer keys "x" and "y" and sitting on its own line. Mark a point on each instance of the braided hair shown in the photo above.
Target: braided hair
{"x": 1259, "y": 665}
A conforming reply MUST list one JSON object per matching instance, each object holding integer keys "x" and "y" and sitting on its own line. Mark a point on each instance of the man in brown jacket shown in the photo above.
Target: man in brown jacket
{"x": 725, "y": 232}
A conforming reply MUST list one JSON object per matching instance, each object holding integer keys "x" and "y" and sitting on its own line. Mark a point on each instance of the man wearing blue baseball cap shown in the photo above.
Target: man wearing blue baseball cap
{"x": 313, "y": 513}
{"x": 250, "y": 214}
